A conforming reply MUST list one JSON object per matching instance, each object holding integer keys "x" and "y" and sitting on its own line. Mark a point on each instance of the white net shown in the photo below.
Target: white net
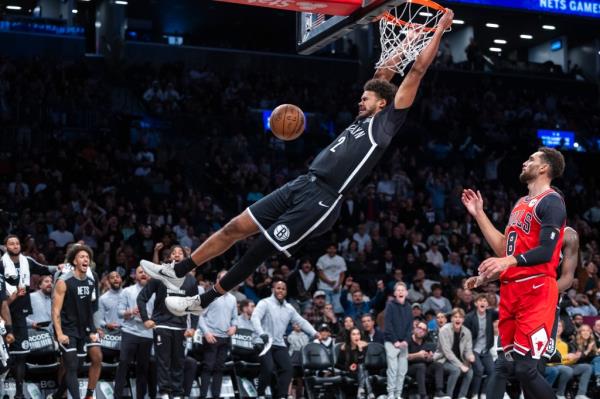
{"x": 405, "y": 30}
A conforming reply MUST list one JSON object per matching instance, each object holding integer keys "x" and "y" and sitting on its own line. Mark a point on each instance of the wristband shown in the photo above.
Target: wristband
{"x": 9, "y": 328}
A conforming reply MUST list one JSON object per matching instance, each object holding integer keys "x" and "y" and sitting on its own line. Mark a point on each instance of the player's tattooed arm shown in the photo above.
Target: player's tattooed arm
{"x": 479, "y": 281}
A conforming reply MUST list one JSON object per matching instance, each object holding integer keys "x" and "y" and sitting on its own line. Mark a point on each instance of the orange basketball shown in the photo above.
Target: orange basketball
{"x": 287, "y": 122}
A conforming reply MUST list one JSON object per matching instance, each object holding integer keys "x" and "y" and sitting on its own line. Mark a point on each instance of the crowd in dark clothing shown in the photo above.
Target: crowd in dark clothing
{"x": 404, "y": 224}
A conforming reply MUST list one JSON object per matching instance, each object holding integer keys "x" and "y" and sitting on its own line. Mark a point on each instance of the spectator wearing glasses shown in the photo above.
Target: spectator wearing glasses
{"x": 421, "y": 364}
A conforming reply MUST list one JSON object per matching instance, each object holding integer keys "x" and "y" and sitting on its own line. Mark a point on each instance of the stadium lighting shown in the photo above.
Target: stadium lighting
{"x": 526, "y": 37}
{"x": 495, "y": 49}
{"x": 499, "y": 41}
{"x": 548, "y": 27}
{"x": 13, "y": 7}
{"x": 74, "y": 11}
{"x": 426, "y": 14}
{"x": 121, "y": 2}
{"x": 458, "y": 22}
{"x": 492, "y": 25}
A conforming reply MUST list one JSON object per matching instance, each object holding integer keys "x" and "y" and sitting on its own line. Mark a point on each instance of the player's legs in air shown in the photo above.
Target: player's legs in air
{"x": 286, "y": 218}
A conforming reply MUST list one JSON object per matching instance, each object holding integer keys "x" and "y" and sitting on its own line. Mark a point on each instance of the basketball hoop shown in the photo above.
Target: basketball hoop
{"x": 405, "y": 31}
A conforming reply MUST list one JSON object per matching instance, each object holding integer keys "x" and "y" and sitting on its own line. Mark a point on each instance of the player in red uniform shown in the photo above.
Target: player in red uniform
{"x": 531, "y": 244}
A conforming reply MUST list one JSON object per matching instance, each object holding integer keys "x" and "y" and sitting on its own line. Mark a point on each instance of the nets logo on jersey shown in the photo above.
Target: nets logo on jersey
{"x": 83, "y": 292}
{"x": 281, "y": 232}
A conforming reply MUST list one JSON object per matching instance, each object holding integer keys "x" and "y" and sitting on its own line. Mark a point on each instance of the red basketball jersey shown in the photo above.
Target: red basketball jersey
{"x": 523, "y": 233}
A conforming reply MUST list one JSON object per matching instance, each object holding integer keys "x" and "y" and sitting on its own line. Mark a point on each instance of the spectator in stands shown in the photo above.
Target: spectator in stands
{"x": 332, "y": 271}
{"x": 362, "y": 237}
{"x": 417, "y": 311}
{"x": 351, "y": 359}
{"x": 465, "y": 301}
{"x": 388, "y": 264}
{"x": 592, "y": 215}
{"x": 590, "y": 353}
{"x": 452, "y": 268}
{"x": 41, "y": 304}
{"x": 480, "y": 324}
{"x": 319, "y": 313}
{"x": 570, "y": 368}
{"x": 358, "y": 306}
{"x": 433, "y": 255}
{"x": 397, "y": 326}
{"x": 421, "y": 364}
{"x": 398, "y": 277}
{"x": 217, "y": 324}
{"x": 437, "y": 302}
{"x": 596, "y": 331}
{"x": 427, "y": 283}
{"x": 581, "y": 306}
{"x": 347, "y": 324}
{"x": 587, "y": 278}
{"x": 297, "y": 340}
{"x": 326, "y": 339}
{"x": 136, "y": 340}
{"x": 370, "y": 330}
{"x": 455, "y": 352}
{"x": 303, "y": 284}
{"x": 61, "y": 235}
{"x": 417, "y": 292}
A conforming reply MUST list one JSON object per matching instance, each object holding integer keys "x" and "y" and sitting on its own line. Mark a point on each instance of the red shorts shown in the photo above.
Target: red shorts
{"x": 526, "y": 314}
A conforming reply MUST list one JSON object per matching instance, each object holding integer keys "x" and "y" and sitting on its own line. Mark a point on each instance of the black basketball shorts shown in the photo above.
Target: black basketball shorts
{"x": 80, "y": 345}
{"x": 551, "y": 347}
{"x": 303, "y": 208}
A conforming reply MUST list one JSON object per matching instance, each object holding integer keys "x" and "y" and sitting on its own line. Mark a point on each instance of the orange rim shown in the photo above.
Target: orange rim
{"x": 427, "y": 3}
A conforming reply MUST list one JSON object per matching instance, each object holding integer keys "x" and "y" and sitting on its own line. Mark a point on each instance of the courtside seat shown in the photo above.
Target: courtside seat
{"x": 319, "y": 375}
{"x": 376, "y": 363}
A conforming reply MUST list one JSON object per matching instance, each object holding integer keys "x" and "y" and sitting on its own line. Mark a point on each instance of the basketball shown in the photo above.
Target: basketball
{"x": 287, "y": 122}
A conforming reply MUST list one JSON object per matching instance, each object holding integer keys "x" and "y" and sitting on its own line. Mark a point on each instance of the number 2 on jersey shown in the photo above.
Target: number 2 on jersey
{"x": 510, "y": 243}
{"x": 339, "y": 142}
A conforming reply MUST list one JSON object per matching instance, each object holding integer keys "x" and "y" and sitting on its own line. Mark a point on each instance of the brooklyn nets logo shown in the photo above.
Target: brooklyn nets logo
{"x": 281, "y": 232}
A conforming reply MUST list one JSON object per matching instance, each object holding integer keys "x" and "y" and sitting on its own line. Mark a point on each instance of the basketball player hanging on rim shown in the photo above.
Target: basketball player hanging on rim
{"x": 309, "y": 205}
{"x": 531, "y": 244}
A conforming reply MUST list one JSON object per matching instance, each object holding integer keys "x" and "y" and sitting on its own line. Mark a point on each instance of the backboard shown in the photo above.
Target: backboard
{"x": 314, "y": 31}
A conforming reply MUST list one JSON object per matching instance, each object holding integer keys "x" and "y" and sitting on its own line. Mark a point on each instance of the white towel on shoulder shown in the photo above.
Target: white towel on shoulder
{"x": 11, "y": 271}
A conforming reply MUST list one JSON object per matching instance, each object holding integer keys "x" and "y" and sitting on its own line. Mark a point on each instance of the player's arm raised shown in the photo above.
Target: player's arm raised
{"x": 570, "y": 250}
{"x": 408, "y": 89}
{"x": 473, "y": 201}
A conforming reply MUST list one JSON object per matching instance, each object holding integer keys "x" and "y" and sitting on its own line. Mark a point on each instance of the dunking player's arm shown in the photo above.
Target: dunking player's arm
{"x": 405, "y": 96}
